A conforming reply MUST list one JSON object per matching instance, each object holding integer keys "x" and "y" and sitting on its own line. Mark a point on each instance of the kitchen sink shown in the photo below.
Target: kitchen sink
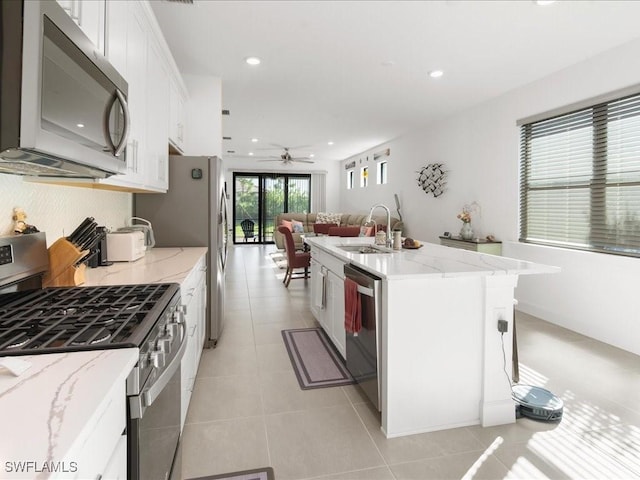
{"x": 364, "y": 248}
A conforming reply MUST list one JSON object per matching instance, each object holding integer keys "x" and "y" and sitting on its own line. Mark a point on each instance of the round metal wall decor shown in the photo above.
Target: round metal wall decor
{"x": 432, "y": 179}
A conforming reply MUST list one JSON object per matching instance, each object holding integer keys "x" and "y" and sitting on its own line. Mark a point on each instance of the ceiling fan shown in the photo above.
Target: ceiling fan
{"x": 285, "y": 157}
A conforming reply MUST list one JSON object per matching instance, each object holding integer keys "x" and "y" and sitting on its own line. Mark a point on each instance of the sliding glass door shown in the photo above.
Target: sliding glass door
{"x": 259, "y": 197}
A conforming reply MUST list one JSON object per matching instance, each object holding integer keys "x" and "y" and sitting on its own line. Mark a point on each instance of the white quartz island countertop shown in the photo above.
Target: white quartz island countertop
{"x": 53, "y": 413}
{"x": 430, "y": 260}
{"x": 159, "y": 265}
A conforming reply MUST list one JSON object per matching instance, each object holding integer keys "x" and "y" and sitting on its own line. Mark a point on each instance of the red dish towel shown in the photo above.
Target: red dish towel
{"x": 352, "y": 307}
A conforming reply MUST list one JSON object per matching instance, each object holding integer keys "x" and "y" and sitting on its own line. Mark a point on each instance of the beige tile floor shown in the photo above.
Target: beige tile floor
{"x": 247, "y": 410}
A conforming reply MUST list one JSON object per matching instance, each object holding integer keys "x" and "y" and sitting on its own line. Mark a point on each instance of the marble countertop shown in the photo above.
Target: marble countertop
{"x": 430, "y": 260}
{"x": 50, "y": 409}
{"x": 159, "y": 265}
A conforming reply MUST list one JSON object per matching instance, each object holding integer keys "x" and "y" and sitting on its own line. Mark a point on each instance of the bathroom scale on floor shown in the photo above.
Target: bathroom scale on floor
{"x": 537, "y": 403}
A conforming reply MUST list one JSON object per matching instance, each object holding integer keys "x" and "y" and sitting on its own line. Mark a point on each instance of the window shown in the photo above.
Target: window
{"x": 364, "y": 176}
{"x": 382, "y": 173}
{"x": 349, "y": 179}
{"x": 580, "y": 178}
{"x": 259, "y": 197}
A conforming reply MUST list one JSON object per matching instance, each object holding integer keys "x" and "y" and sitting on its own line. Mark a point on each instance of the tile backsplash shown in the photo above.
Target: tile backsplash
{"x": 56, "y": 209}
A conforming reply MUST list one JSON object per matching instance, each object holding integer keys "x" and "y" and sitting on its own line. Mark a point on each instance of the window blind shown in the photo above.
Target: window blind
{"x": 580, "y": 178}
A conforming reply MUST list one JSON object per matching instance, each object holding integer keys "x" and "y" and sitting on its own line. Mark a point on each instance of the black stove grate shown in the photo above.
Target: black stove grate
{"x": 82, "y": 318}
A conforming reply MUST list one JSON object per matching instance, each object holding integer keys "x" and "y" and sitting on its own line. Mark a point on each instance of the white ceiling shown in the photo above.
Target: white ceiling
{"x": 325, "y": 75}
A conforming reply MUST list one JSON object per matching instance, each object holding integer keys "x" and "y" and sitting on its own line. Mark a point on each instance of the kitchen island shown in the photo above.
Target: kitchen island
{"x": 441, "y": 361}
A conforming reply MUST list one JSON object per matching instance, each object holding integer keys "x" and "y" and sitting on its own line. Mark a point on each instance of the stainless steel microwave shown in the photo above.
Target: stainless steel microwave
{"x": 63, "y": 106}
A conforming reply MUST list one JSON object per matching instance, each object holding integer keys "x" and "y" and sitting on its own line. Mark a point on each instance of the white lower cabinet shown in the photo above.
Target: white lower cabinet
{"x": 101, "y": 449}
{"x": 193, "y": 291}
{"x": 318, "y": 303}
{"x": 117, "y": 467}
{"x": 330, "y": 312}
{"x": 335, "y": 307}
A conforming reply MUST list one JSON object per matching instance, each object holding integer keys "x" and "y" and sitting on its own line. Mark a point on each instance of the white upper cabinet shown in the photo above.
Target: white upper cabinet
{"x": 157, "y": 175}
{"x": 136, "y": 76}
{"x": 90, "y": 17}
{"x": 136, "y": 48}
{"x": 177, "y": 116}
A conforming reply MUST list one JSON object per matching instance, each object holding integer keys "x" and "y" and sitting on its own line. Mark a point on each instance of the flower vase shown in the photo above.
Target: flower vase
{"x": 466, "y": 232}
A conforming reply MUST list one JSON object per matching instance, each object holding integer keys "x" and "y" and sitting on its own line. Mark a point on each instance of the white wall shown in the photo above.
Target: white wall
{"x": 479, "y": 147}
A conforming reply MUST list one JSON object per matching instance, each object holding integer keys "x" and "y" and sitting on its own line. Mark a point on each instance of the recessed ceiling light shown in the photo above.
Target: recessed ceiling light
{"x": 254, "y": 140}
{"x": 250, "y": 154}
{"x": 436, "y": 73}
{"x": 329, "y": 142}
{"x": 252, "y": 60}
{"x": 311, "y": 155}
{"x": 80, "y": 125}
{"x": 542, "y": 3}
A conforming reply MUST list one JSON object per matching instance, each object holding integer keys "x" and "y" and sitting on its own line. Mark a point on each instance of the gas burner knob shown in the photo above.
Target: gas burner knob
{"x": 178, "y": 315}
{"x": 156, "y": 358}
{"x": 172, "y": 329}
{"x": 164, "y": 343}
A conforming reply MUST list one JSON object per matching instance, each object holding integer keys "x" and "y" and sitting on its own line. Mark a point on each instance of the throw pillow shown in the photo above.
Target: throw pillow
{"x": 297, "y": 226}
{"x": 324, "y": 217}
{"x": 323, "y": 228}
{"x": 287, "y": 223}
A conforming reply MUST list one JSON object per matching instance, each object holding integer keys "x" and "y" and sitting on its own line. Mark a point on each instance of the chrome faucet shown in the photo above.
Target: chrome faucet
{"x": 389, "y": 240}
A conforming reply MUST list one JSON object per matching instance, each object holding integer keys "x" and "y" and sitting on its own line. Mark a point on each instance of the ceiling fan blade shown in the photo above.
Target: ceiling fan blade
{"x": 270, "y": 160}
{"x": 301, "y": 160}
{"x": 275, "y": 146}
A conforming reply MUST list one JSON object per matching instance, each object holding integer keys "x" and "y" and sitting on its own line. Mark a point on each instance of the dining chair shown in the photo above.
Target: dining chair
{"x": 294, "y": 259}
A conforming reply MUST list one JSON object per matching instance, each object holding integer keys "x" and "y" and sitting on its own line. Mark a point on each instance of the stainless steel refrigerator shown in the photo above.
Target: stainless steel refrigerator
{"x": 193, "y": 213}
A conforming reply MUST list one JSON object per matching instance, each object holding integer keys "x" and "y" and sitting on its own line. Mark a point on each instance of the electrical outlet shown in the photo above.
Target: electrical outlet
{"x": 503, "y": 326}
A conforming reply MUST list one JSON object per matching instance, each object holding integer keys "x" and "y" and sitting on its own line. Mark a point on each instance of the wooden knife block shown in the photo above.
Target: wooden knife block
{"x": 63, "y": 272}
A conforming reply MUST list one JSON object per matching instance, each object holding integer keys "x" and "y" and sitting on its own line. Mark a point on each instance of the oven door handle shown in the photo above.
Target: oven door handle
{"x": 140, "y": 403}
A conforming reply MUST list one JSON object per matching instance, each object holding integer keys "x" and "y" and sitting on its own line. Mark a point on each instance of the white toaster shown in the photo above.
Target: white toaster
{"x": 125, "y": 246}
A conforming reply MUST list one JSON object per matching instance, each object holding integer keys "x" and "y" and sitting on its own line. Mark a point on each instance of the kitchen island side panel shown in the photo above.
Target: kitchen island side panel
{"x": 434, "y": 360}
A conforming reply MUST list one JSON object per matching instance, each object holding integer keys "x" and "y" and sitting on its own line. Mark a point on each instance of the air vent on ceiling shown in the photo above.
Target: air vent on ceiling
{"x": 226, "y": 112}
{"x": 231, "y": 151}
{"x": 226, "y": 138}
{"x": 189, "y": 2}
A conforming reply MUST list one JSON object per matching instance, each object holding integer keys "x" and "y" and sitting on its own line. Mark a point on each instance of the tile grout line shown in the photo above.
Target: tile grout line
{"x": 371, "y": 438}
{"x": 261, "y": 393}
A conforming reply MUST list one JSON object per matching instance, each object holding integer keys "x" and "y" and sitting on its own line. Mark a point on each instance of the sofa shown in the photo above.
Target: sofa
{"x": 345, "y": 227}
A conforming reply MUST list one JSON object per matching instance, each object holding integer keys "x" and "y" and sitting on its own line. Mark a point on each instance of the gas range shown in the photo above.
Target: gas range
{"x": 66, "y": 319}
{"x": 35, "y": 320}
{"x": 150, "y": 317}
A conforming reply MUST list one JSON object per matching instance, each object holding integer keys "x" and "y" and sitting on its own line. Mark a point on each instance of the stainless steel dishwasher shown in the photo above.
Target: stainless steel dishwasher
{"x": 363, "y": 347}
